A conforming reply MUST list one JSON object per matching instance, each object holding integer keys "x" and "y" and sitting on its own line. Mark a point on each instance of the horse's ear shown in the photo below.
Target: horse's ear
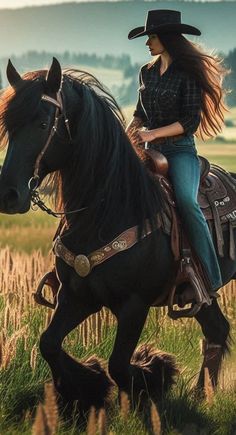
{"x": 54, "y": 76}
{"x": 12, "y": 75}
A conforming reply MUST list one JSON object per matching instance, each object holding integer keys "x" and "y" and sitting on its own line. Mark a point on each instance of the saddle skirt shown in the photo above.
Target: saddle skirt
{"x": 217, "y": 199}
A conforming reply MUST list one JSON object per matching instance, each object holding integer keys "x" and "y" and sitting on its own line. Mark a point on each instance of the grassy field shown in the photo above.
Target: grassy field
{"x": 111, "y": 78}
{"x": 223, "y": 154}
{"x": 28, "y": 232}
{"x": 23, "y": 372}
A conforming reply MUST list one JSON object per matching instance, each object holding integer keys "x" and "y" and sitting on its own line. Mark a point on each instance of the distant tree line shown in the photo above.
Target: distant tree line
{"x": 37, "y": 60}
{"x": 125, "y": 93}
{"x": 230, "y": 80}
{"x": 34, "y": 59}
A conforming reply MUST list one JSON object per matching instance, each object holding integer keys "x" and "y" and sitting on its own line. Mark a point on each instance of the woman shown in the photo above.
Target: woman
{"x": 180, "y": 95}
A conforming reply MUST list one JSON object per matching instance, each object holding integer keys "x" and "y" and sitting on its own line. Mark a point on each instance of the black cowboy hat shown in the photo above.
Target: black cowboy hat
{"x": 163, "y": 21}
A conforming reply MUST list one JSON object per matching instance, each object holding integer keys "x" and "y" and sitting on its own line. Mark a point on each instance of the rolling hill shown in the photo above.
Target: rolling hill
{"x": 102, "y": 27}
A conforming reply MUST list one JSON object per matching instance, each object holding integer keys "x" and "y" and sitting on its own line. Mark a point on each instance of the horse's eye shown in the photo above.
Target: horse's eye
{"x": 43, "y": 125}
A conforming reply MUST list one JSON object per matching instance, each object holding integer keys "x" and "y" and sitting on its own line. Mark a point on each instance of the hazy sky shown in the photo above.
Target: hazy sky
{"x": 21, "y": 3}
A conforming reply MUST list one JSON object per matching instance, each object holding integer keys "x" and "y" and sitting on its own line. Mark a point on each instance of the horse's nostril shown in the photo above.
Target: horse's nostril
{"x": 11, "y": 197}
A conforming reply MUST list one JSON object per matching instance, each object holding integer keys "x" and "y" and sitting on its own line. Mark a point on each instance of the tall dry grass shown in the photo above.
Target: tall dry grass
{"x": 19, "y": 277}
{"x": 47, "y": 416}
{"x": 20, "y": 274}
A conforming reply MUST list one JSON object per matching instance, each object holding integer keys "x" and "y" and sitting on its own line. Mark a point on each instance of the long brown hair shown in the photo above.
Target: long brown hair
{"x": 209, "y": 71}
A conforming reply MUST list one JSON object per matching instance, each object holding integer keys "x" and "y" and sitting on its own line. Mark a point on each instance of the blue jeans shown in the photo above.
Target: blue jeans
{"x": 184, "y": 172}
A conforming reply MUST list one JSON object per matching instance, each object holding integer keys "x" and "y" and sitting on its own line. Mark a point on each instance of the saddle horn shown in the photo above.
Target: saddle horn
{"x": 54, "y": 76}
{"x": 12, "y": 75}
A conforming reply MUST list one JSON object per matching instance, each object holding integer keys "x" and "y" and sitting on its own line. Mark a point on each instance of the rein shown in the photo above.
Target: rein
{"x": 34, "y": 181}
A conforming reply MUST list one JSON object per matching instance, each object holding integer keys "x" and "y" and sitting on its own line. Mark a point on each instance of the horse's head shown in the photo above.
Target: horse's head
{"x": 34, "y": 126}
{"x": 98, "y": 169}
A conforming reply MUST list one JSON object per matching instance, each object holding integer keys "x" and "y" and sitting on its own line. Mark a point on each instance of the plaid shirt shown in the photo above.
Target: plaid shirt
{"x": 165, "y": 99}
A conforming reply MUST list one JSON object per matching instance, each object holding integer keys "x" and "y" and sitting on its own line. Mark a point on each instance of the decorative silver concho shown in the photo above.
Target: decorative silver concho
{"x": 82, "y": 265}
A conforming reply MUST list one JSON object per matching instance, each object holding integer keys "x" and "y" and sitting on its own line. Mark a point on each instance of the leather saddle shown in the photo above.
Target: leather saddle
{"x": 217, "y": 199}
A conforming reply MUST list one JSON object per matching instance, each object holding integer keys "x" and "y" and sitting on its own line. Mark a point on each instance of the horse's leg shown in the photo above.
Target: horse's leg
{"x": 149, "y": 369}
{"x": 216, "y": 330}
{"x": 87, "y": 383}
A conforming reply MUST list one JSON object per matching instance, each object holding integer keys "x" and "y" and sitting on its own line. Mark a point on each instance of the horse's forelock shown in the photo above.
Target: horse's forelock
{"x": 20, "y": 104}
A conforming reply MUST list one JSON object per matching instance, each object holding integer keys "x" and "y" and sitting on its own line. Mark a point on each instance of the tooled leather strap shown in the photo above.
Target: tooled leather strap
{"x": 58, "y": 102}
{"x": 218, "y": 228}
{"x": 42, "y": 152}
{"x": 84, "y": 264}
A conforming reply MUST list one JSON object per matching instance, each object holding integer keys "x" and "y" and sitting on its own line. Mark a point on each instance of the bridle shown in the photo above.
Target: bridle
{"x": 34, "y": 180}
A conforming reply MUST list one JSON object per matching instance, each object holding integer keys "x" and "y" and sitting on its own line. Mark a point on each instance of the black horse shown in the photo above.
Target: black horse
{"x": 67, "y": 127}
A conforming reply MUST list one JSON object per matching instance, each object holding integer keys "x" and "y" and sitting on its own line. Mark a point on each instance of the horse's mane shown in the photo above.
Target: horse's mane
{"x": 113, "y": 180}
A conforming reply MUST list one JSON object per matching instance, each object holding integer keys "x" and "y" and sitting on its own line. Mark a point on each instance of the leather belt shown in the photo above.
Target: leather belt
{"x": 162, "y": 140}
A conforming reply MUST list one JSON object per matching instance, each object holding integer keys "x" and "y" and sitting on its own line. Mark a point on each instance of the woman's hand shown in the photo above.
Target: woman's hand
{"x": 132, "y": 131}
{"x": 147, "y": 135}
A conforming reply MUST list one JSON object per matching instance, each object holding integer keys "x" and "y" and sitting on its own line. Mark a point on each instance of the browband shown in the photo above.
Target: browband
{"x": 51, "y": 100}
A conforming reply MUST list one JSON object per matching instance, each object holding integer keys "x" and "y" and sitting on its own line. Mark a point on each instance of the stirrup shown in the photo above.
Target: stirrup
{"x": 49, "y": 280}
{"x": 201, "y": 297}
{"x": 200, "y": 300}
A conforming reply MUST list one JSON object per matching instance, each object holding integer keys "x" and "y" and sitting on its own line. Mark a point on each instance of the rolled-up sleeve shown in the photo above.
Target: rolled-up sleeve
{"x": 139, "y": 111}
{"x": 190, "y": 109}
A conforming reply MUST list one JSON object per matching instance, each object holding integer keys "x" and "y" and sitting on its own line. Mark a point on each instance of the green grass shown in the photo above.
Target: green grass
{"x": 32, "y": 218}
{"x": 34, "y": 230}
{"x": 109, "y": 77}
{"x": 21, "y": 388}
{"x": 223, "y": 154}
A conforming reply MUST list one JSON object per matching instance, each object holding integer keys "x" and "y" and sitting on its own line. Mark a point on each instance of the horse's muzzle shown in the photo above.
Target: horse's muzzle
{"x": 11, "y": 201}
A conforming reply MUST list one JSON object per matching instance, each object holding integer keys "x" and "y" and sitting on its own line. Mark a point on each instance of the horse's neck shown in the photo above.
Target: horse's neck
{"x": 83, "y": 228}
{"x": 118, "y": 196}
{"x": 97, "y": 197}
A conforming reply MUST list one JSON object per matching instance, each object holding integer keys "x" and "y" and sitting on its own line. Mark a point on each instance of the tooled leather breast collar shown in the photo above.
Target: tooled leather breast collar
{"x": 83, "y": 264}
